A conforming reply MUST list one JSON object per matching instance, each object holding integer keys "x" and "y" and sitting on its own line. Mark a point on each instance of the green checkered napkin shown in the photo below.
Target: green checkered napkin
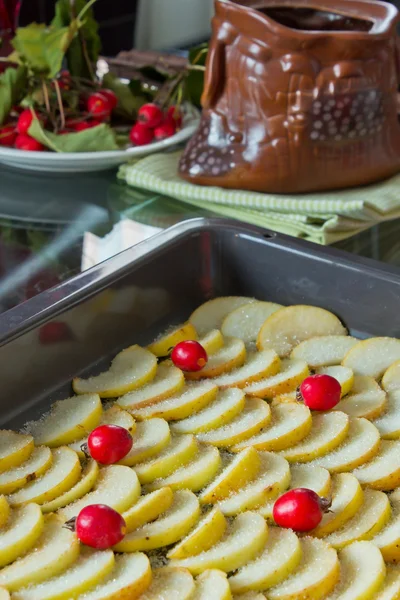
{"x": 323, "y": 217}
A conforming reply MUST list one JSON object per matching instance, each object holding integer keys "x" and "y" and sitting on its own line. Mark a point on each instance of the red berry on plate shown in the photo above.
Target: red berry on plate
{"x": 95, "y": 123}
{"x": 150, "y": 115}
{"x": 54, "y": 332}
{"x": 109, "y": 444}
{"x": 111, "y": 97}
{"x": 174, "y": 114}
{"x": 82, "y": 126}
{"x": 8, "y": 135}
{"x": 28, "y": 143}
{"x": 300, "y": 509}
{"x": 100, "y": 526}
{"x": 320, "y": 392}
{"x": 141, "y": 135}
{"x": 25, "y": 121}
{"x": 189, "y": 356}
{"x": 164, "y": 131}
{"x": 98, "y": 106}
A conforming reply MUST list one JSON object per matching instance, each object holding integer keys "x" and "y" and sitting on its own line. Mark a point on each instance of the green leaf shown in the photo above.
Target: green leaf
{"x": 97, "y": 139}
{"x": 195, "y": 79}
{"x": 12, "y": 85}
{"x": 128, "y": 102}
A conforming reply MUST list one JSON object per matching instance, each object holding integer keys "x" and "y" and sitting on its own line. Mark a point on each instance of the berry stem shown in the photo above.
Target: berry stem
{"x": 85, "y": 450}
{"x": 71, "y": 524}
{"x": 325, "y": 504}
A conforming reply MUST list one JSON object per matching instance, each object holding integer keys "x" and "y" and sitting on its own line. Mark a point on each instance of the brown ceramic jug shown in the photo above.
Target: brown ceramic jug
{"x": 300, "y": 95}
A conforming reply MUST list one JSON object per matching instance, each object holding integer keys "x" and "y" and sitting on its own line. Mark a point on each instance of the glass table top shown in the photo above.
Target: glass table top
{"x": 43, "y": 219}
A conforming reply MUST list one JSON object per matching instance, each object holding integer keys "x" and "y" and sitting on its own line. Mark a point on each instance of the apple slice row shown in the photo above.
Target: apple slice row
{"x": 373, "y": 356}
{"x": 22, "y": 530}
{"x": 208, "y": 532}
{"x": 90, "y": 474}
{"x": 37, "y": 464}
{"x": 15, "y": 449}
{"x": 324, "y": 351}
{"x": 290, "y": 376}
{"x": 212, "y": 584}
{"x": 366, "y": 399}
{"x": 212, "y": 313}
{"x": 168, "y": 381}
{"x": 231, "y": 356}
{"x": 4, "y": 511}
{"x": 259, "y": 365}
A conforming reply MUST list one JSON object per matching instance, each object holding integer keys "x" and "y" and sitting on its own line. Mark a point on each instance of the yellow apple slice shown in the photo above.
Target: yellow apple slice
{"x": 21, "y": 532}
{"x": 244, "y": 467}
{"x": 63, "y": 474}
{"x": 68, "y": 420}
{"x": 373, "y": 356}
{"x": 360, "y": 446}
{"x": 343, "y": 375}
{"x": 179, "y": 453}
{"x": 367, "y": 399}
{"x": 90, "y": 568}
{"x": 204, "y": 536}
{"x": 391, "y": 378}
{"x": 246, "y": 321}
{"x": 212, "y": 584}
{"x": 37, "y": 464}
{"x": 362, "y": 572}
{"x": 129, "y": 370}
{"x": 389, "y": 424}
{"x": 116, "y": 486}
{"x": 231, "y": 356}
{"x": 256, "y": 415}
{"x": 226, "y": 406}
{"x": 388, "y": 539}
{"x": 324, "y": 351}
{"x": 280, "y": 557}
{"x": 249, "y": 596}
{"x": 244, "y": 539}
{"x": 130, "y": 578}
{"x": 285, "y": 398}
{"x": 212, "y": 341}
{"x": 195, "y": 475}
{"x": 383, "y": 471}
{"x": 259, "y": 365}
{"x": 15, "y": 449}
{"x": 290, "y": 423}
{"x": 371, "y": 518}
{"x": 292, "y": 373}
{"x": 289, "y": 326}
{"x": 390, "y": 589}
{"x": 169, "y": 528}
{"x": 168, "y": 381}
{"x": 150, "y": 438}
{"x": 316, "y": 575}
{"x": 56, "y": 550}
{"x": 162, "y": 346}
{"x": 328, "y": 431}
{"x": 169, "y": 583}
{"x": 89, "y": 477}
{"x": 211, "y": 314}
{"x": 4, "y": 511}
{"x": 148, "y": 508}
{"x": 272, "y": 478}
{"x": 347, "y": 499}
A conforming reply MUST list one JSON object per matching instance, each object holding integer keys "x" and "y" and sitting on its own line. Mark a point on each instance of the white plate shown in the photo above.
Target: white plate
{"x": 85, "y": 162}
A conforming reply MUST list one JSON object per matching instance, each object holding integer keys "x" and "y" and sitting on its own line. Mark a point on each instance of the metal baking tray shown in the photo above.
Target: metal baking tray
{"x": 135, "y": 295}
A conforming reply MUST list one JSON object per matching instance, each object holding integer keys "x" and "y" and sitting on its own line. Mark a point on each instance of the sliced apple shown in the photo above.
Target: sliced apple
{"x": 37, "y": 464}
{"x": 362, "y": 572}
{"x": 211, "y": 314}
{"x": 15, "y": 449}
{"x": 4, "y": 511}
{"x": 324, "y": 351}
{"x": 343, "y": 375}
{"x": 244, "y": 539}
{"x": 244, "y": 467}
{"x": 388, "y": 539}
{"x": 249, "y": 596}
{"x": 179, "y": 453}
{"x": 259, "y": 365}
{"x": 347, "y": 499}
{"x": 90, "y": 474}
{"x": 226, "y": 406}
{"x": 390, "y": 589}
{"x": 204, "y": 536}
{"x": 195, "y": 475}
{"x": 194, "y": 397}
{"x": 280, "y": 557}
{"x": 21, "y": 533}
{"x": 90, "y": 568}
{"x": 285, "y": 398}
{"x": 168, "y": 381}
{"x": 389, "y": 424}
{"x": 212, "y": 584}
{"x": 129, "y": 370}
{"x": 272, "y": 478}
{"x": 367, "y": 399}
{"x": 373, "y": 357}
{"x": 63, "y": 474}
{"x": 148, "y": 508}
{"x": 116, "y": 486}
{"x": 213, "y": 341}
{"x": 231, "y": 356}
{"x": 56, "y": 550}
{"x": 292, "y": 373}
{"x": 371, "y": 518}
{"x": 290, "y": 423}
{"x": 169, "y": 528}
{"x": 150, "y": 438}
{"x": 162, "y": 345}
{"x": 391, "y": 378}
{"x": 383, "y": 471}
{"x": 360, "y": 446}
{"x": 316, "y": 575}
{"x": 256, "y": 415}
{"x": 289, "y": 326}
{"x": 328, "y": 431}
{"x": 176, "y": 584}
{"x": 246, "y": 321}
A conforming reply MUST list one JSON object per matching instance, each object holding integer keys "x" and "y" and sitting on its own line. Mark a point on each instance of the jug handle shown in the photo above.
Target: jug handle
{"x": 216, "y": 64}
{"x": 397, "y": 56}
